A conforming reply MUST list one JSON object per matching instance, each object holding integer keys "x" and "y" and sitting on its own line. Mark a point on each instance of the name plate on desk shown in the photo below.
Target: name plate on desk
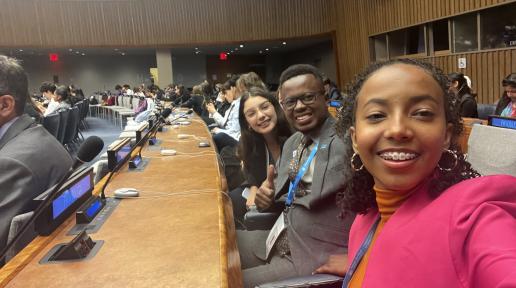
{"x": 502, "y": 122}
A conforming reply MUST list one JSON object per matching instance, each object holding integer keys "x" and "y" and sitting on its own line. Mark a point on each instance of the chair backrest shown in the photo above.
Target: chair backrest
{"x": 51, "y": 123}
{"x": 73, "y": 124}
{"x": 16, "y": 224}
{"x": 491, "y": 150}
{"x": 485, "y": 110}
{"x": 84, "y": 109}
{"x": 63, "y": 123}
{"x": 135, "y": 102}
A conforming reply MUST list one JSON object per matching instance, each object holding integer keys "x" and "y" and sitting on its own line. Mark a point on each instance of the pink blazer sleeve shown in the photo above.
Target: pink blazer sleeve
{"x": 483, "y": 244}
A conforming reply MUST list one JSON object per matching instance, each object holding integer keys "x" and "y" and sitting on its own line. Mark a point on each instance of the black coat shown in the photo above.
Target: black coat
{"x": 468, "y": 106}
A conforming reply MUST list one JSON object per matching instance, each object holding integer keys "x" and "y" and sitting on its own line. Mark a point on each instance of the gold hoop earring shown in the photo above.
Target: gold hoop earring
{"x": 353, "y": 160}
{"x": 455, "y": 161}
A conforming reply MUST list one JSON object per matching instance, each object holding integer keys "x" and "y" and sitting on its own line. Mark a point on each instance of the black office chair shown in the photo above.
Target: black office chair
{"x": 485, "y": 110}
{"x": 84, "y": 112}
{"x": 70, "y": 134}
{"x": 17, "y": 223}
{"x": 51, "y": 123}
{"x": 63, "y": 122}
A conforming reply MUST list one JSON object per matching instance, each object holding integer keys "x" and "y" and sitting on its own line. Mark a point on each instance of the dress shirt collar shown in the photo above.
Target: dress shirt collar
{"x": 6, "y": 126}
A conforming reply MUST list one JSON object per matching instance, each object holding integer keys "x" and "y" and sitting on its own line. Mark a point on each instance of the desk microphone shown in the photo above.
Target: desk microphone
{"x": 87, "y": 152}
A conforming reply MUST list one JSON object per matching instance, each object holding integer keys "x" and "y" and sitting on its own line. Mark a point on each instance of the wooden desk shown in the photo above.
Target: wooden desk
{"x": 178, "y": 233}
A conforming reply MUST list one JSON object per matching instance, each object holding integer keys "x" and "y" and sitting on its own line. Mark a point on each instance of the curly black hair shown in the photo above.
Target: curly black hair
{"x": 359, "y": 195}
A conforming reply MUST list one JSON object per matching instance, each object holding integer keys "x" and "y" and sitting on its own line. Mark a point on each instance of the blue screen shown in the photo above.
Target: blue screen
{"x": 72, "y": 194}
{"x": 137, "y": 160}
{"x": 503, "y": 122}
{"x": 336, "y": 104}
{"x": 120, "y": 154}
{"x": 94, "y": 208}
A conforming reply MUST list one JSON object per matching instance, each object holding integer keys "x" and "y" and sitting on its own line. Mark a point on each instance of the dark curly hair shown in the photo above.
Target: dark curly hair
{"x": 359, "y": 195}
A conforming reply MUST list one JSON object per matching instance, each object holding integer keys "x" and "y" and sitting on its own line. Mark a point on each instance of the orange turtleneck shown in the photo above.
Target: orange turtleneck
{"x": 388, "y": 202}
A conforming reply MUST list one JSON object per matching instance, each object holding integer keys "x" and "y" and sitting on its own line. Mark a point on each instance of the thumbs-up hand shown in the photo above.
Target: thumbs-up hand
{"x": 265, "y": 194}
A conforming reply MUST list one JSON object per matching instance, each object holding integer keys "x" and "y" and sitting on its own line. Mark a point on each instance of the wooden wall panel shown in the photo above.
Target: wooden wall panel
{"x": 359, "y": 19}
{"x": 140, "y": 23}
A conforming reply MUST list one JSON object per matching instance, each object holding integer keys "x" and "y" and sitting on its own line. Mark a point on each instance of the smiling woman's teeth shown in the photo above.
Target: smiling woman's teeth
{"x": 398, "y": 156}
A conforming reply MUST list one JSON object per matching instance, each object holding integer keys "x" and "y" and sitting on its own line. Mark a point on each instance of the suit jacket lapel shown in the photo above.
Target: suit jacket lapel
{"x": 16, "y": 128}
{"x": 322, "y": 158}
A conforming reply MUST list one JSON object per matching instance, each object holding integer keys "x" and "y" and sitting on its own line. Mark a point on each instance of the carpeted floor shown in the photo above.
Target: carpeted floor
{"x": 104, "y": 129}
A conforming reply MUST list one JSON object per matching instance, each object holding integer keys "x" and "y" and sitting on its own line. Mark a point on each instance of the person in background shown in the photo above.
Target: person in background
{"x": 149, "y": 106}
{"x": 331, "y": 90}
{"x": 506, "y": 106}
{"x": 426, "y": 218}
{"x": 264, "y": 130}
{"x": 126, "y": 90}
{"x": 221, "y": 105}
{"x": 47, "y": 89}
{"x": 33, "y": 109}
{"x": 31, "y": 159}
{"x": 227, "y": 130}
{"x": 181, "y": 95}
{"x": 196, "y": 101}
{"x": 62, "y": 95}
{"x": 170, "y": 92}
{"x": 467, "y": 103}
{"x": 142, "y": 105}
{"x": 138, "y": 92}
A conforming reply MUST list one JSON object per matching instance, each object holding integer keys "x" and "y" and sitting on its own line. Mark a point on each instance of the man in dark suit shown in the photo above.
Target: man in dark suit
{"x": 31, "y": 159}
{"x": 313, "y": 230}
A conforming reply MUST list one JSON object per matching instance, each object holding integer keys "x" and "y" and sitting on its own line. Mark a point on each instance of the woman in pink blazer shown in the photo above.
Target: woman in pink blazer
{"x": 426, "y": 218}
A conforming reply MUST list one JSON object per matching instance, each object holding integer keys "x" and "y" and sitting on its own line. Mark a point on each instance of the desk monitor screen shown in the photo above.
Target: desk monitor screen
{"x": 122, "y": 153}
{"x": 71, "y": 196}
{"x": 142, "y": 132}
{"x": 503, "y": 122}
{"x": 118, "y": 152}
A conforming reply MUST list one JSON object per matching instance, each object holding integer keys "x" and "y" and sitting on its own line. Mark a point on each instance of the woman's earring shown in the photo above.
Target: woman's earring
{"x": 356, "y": 158}
{"x": 455, "y": 161}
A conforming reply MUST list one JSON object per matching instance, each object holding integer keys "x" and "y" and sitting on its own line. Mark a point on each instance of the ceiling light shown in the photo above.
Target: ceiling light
{"x": 115, "y": 49}
{"x": 77, "y": 52}
{"x": 123, "y": 54}
{"x": 236, "y": 49}
{"x": 241, "y": 45}
{"x": 266, "y": 49}
{"x": 70, "y": 49}
{"x": 83, "y": 54}
{"x": 284, "y": 43}
{"x": 196, "y": 48}
{"x": 21, "y": 50}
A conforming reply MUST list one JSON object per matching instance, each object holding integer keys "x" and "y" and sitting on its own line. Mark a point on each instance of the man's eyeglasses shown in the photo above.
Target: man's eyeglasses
{"x": 306, "y": 99}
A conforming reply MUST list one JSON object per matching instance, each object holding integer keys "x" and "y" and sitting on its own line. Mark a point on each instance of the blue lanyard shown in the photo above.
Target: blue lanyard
{"x": 360, "y": 254}
{"x": 293, "y": 185}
